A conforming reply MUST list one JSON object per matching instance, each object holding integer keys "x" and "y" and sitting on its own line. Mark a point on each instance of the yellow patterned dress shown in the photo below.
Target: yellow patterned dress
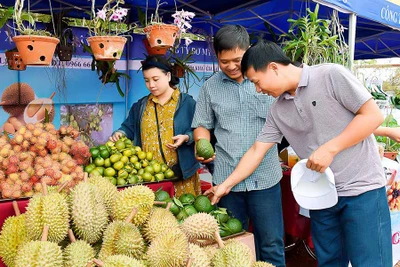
{"x": 149, "y": 135}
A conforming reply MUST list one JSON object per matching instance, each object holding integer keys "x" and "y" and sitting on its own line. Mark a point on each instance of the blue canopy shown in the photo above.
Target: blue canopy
{"x": 267, "y": 17}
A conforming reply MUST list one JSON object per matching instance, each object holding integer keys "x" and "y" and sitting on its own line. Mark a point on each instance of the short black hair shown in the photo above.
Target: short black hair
{"x": 161, "y": 63}
{"x": 261, "y": 54}
{"x": 230, "y": 37}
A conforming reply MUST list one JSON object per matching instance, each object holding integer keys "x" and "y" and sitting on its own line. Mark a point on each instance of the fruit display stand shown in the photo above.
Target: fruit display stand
{"x": 6, "y": 205}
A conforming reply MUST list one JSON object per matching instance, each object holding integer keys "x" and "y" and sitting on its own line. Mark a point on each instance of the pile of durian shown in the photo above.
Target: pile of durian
{"x": 96, "y": 225}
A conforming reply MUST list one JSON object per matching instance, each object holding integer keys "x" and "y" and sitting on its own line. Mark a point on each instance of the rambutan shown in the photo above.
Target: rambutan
{"x": 63, "y": 130}
{"x": 14, "y": 177}
{"x": 42, "y": 152}
{"x": 6, "y": 193}
{"x": 30, "y": 127}
{"x": 28, "y": 194}
{"x": 49, "y": 172}
{"x": 5, "y": 163}
{"x": 11, "y": 169}
{"x": 18, "y": 138}
{"x": 28, "y": 135}
{"x": 37, "y": 187}
{"x": 24, "y": 176}
{"x": 14, "y": 160}
{"x": 71, "y": 164}
{"x": 16, "y": 194}
{"x": 17, "y": 149}
{"x": 26, "y": 187}
{"x": 51, "y": 144}
{"x": 25, "y": 145}
{"x": 65, "y": 169}
{"x": 36, "y": 132}
{"x": 24, "y": 165}
{"x": 49, "y": 126}
{"x": 65, "y": 148}
{"x": 2, "y": 175}
{"x": 63, "y": 156}
{"x": 4, "y": 152}
{"x": 46, "y": 179}
{"x": 58, "y": 175}
{"x": 34, "y": 179}
{"x": 39, "y": 125}
{"x": 40, "y": 172}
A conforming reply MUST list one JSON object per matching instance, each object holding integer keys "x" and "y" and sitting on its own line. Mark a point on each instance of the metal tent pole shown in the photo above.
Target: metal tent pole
{"x": 352, "y": 39}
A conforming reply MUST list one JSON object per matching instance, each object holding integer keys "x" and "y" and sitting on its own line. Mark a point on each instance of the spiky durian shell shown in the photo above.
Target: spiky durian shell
{"x": 88, "y": 213}
{"x": 16, "y": 97}
{"x": 210, "y": 251}
{"x": 233, "y": 254}
{"x": 262, "y": 264}
{"x": 51, "y": 210}
{"x": 122, "y": 238}
{"x": 13, "y": 234}
{"x": 138, "y": 196}
{"x": 200, "y": 226}
{"x": 159, "y": 221}
{"x": 78, "y": 254}
{"x": 170, "y": 249}
{"x": 199, "y": 256}
{"x": 122, "y": 261}
{"x": 106, "y": 189}
{"x": 39, "y": 253}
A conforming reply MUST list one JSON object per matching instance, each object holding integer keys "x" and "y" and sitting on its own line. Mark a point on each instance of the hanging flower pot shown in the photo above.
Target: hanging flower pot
{"x": 35, "y": 49}
{"x": 14, "y": 61}
{"x": 161, "y": 35}
{"x": 178, "y": 71}
{"x": 154, "y": 50}
{"x": 107, "y": 48}
{"x": 64, "y": 52}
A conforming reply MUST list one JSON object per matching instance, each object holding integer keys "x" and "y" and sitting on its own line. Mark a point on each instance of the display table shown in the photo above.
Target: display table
{"x": 6, "y": 207}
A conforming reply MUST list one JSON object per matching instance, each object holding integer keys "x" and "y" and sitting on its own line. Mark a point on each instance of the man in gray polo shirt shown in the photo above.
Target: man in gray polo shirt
{"x": 328, "y": 117}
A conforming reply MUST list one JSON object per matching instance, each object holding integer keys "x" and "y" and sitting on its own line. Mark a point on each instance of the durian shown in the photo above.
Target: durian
{"x": 210, "y": 251}
{"x": 13, "y": 234}
{"x": 170, "y": 249}
{"x": 120, "y": 261}
{"x": 235, "y": 254}
{"x": 15, "y": 98}
{"x": 159, "y": 221}
{"x": 106, "y": 189}
{"x": 262, "y": 264}
{"x": 199, "y": 227}
{"x": 199, "y": 256}
{"x": 88, "y": 213}
{"x": 51, "y": 210}
{"x": 78, "y": 253}
{"x": 39, "y": 253}
{"x": 140, "y": 197}
{"x": 122, "y": 238}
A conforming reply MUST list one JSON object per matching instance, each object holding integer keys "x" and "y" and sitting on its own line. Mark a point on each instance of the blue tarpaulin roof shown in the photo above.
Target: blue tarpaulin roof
{"x": 373, "y": 39}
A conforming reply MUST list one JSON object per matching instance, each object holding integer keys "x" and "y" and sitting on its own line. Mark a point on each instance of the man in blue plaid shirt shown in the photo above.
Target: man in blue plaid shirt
{"x": 230, "y": 105}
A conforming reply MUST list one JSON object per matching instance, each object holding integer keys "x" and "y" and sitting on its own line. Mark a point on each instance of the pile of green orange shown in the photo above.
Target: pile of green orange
{"x": 123, "y": 163}
{"x": 188, "y": 204}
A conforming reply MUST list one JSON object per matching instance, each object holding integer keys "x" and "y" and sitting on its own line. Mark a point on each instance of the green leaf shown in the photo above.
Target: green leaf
{"x": 119, "y": 89}
{"x": 46, "y": 116}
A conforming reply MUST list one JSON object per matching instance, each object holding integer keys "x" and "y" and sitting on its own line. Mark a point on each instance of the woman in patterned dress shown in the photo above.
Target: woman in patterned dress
{"x": 164, "y": 115}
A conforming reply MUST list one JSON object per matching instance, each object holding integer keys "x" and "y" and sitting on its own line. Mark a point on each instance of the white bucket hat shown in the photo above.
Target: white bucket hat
{"x": 313, "y": 190}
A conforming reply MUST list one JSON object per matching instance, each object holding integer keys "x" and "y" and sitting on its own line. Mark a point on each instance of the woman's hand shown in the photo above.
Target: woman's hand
{"x": 204, "y": 161}
{"x": 178, "y": 141}
{"x": 116, "y": 136}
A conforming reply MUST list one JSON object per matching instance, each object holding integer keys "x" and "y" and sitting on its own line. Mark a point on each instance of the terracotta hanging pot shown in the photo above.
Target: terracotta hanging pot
{"x": 107, "y": 48}
{"x": 14, "y": 61}
{"x": 179, "y": 71}
{"x": 35, "y": 49}
{"x": 64, "y": 52}
{"x": 390, "y": 155}
{"x": 161, "y": 35}
{"x": 154, "y": 50}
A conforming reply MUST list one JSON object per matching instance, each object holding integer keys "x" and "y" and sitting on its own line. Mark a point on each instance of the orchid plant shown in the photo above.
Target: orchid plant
{"x": 109, "y": 20}
{"x": 182, "y": 19}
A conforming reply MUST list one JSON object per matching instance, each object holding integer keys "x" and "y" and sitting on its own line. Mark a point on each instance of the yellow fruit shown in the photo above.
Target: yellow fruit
{"x": 78, "y": 254}
{"x": 200, "y": 226}
{"x": 159, "y": 221}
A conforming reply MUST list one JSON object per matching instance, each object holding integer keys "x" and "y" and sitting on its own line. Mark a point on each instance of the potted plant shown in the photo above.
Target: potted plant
{"x": 106, "y": 70}
{"x": 311, "y": 40}
{"x": 106, "y": 26}
{"x": 35, "y": 46}
{"x": 182, "y": 68}
{"x": 66, "y": 47}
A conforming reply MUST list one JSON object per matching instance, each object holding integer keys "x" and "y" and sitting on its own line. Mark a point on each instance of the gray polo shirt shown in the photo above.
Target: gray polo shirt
{"x": 237, "y": 113}
{"x": 326, "y": 100}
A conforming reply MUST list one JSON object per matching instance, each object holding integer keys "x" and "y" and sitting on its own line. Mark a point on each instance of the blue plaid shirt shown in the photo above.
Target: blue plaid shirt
{"x": 237, "y": 114}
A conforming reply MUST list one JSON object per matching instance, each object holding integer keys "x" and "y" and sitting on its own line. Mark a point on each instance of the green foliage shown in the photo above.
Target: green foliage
{"x": 5, "y": 14}
{"x": 21, "y": 16}
{"x": 184, "y": 61}
{"x": 390, "y": 145}
{"x": 313, "y": 41}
